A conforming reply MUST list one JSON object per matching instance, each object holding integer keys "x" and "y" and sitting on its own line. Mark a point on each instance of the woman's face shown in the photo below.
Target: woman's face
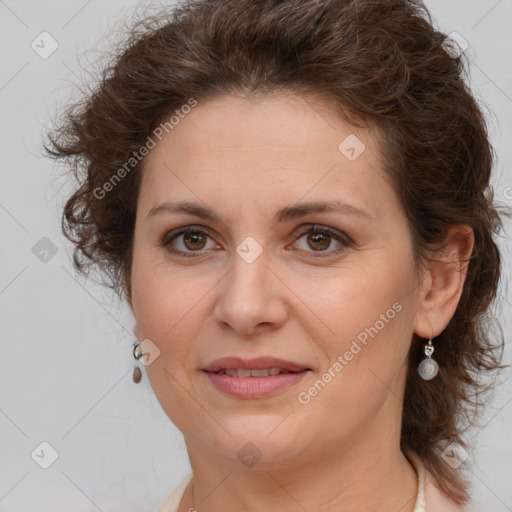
{"x": 336, "y": 304}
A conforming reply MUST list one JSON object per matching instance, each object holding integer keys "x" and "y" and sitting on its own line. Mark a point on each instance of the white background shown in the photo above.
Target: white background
{"x": 66, "y": 360}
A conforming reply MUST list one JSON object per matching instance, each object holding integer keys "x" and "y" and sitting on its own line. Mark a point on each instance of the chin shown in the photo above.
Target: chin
{"x": 262, "y": 441}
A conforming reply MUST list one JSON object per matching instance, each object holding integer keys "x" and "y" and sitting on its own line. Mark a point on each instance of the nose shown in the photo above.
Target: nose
{"x": 252, "y": 298}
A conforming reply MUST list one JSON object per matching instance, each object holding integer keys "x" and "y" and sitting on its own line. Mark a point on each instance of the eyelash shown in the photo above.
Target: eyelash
{"x": 340, "y": 237}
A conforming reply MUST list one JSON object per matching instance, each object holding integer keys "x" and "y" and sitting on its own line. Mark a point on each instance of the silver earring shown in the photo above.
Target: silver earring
{"x": 428, "y": 368}
{"x": 137, "y": 354}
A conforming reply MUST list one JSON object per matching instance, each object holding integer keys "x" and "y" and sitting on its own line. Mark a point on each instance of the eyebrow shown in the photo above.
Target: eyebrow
{"x": 286, "y": 213}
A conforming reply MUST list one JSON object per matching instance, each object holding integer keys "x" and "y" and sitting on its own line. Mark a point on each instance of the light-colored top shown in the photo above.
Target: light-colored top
{"x": 429, "y": 497}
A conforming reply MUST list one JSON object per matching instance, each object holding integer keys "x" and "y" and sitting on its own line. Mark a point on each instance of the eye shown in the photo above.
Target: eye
{"x": 319, "y": 239}
{"x": 192, "y": 240}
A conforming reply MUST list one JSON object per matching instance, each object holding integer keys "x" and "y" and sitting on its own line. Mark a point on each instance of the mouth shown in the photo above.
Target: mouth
{"x": 257, "y": 367}
{"x": 254, "y": 378}
{"x": 248, "y": 372}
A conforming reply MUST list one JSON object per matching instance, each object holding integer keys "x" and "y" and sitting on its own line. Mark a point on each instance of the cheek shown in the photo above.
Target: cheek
{"x": 169, "y": 307}
{"x": 167, "y": 310}
{"x": 365, "y": 318}
{"x": 163, "y": 310}
{"x": 365, "y": 354}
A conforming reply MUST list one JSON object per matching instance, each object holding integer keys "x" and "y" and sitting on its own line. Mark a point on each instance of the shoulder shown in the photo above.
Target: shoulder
{"x": 172, "y": 501}
{"x": 430, "y": 497}
{"x": 436, "y": 499}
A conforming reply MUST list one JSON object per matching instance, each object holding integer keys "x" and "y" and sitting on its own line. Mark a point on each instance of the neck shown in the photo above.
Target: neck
{"x": 371, "y": 474}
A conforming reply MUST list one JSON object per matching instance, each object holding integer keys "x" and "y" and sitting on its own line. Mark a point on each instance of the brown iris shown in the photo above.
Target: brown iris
{"x": 319, "y": 238}
{"x": 195, "y": 240}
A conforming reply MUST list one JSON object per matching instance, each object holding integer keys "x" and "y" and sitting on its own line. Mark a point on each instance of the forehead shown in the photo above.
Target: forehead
{"x": 285, "y": 120}
{"x": 283, "y": 143}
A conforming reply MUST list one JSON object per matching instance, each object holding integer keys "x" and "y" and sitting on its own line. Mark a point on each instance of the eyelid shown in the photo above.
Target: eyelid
{"x": 306, "y": 228}
{"x": 340, "y": 236}
{"x": 169, "y": 236}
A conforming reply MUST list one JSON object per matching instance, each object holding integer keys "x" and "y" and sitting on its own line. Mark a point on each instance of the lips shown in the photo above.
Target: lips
{"x": 258, "y": 367}
{"x": 254, "y": 378}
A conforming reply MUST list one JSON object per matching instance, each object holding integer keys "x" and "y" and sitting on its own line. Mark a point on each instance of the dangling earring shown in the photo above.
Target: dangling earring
{"x": 137, "y": 354}
{"x": 428, "y": 368}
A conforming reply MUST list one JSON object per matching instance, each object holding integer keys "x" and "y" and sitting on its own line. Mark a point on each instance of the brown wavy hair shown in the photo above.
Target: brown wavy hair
{"x": 380, "y": 63}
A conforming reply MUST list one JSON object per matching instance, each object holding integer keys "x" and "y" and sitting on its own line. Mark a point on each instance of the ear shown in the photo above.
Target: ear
{"x": 136, "y": 328}
{"x": 128, "y": 297}
{"x": 443, "y": 281}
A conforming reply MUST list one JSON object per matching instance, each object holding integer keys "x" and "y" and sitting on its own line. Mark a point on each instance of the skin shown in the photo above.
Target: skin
{"x": 245, "y": 159}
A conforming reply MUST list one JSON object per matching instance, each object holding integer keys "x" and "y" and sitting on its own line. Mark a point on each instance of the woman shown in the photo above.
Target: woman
{"x": 294, "y": 199}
